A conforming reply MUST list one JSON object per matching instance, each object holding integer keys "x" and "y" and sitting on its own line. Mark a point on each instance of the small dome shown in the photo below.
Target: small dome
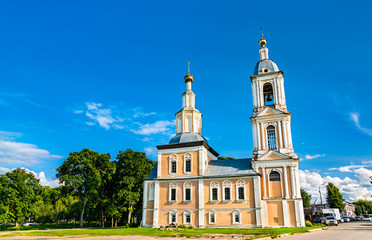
{"x": 187, "y": 137}
{"x": 188, "y": 78}
{"x": 265, "y": 66}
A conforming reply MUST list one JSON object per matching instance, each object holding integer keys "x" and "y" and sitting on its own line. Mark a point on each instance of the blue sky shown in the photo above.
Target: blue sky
{"x": 108, "y": 75}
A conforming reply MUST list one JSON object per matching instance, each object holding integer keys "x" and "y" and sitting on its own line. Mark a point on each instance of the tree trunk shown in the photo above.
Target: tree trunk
{"x": 112, "y": 222}
{"x": 116, "y": 222}
{"x": 82, "y": 212}
{"x": 130, "y": 213}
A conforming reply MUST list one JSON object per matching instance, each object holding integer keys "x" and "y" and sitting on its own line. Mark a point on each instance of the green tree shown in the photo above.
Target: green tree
{"x": 334, "y": 197}
{"x": 83, "y": 173}
{"x": 305, "y": 198}
{"x": 225, "y": 158}
{"x": 19, "y": 192}
{"x": 362, "y": 207}
{"x": 131, "y": 169}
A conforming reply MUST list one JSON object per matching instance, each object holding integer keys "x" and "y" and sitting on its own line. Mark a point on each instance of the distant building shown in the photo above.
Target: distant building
{"x": 317, "y": 205}
{"x": 349, "y": 209}
{"x": 189, "y": 186}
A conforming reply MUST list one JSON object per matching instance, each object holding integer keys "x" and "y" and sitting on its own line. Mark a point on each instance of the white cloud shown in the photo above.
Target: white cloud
{"x": 308, "y": 157}
{"x": 9, "y": 135}
{"x": 363, "y": 175}
{"x": 41, "y": 176}
{"x": 104, "y": 117}
{"x": 355, "y": 118}
{"x": 78, "y": 111}
{"x": 22, "y": 153}
{"x": 146, "y": 139}
{"x": 350, "y": 188}
{"x": 154, "y": 128}
{"x": 347, "y": 168}
{"x": 149, "y": 150}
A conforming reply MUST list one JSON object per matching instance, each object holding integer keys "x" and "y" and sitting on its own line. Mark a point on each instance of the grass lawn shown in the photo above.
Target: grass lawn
{"x": 91, "y": 232}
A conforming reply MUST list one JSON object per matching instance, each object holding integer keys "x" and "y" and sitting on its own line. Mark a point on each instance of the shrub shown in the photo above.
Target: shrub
{"x": 308, "y": 224}
{"x": 182, "y": 226}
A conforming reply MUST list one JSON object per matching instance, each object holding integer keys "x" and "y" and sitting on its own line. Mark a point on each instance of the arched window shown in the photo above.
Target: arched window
{"x": 173, "y": 192}
{"x": 172, "y": 217}
{"x": 236, "y": 217}
{"x": 214, "y": 192}
{"x": 271, "y": 137}
{"x": 173, "y": 164}
{"x": 187, "y": 191}
{"x": 268, "y": 94}
{"x": 187, "y": 163}
{"x": 212, "y": 217}
{"x": 240, "y": 190}
{"x": 151, "y": 191}
{"x": 226, "y": 190}
{"x": 275, "y": 176}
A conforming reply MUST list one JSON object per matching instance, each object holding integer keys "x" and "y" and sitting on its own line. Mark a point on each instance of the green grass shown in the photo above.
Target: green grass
{"x": 274, "y": 232}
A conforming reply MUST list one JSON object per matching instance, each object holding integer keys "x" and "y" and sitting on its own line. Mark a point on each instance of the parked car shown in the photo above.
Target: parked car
{"x": 318, "y": 220}
{"x": 366, "y": 218}
{"x": 341, "y": 220}
{"x": 357, "y": 218}
{"x": 330, "y": 220}
{"x": 346, "y": 219}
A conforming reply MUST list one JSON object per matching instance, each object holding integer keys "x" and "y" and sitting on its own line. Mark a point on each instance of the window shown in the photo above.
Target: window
{"x": 179, "y": 125}
{"x": 214, "y": 187}
{"x": 173, "y": 192}
{"x": 187, "y": 191}
{"x": 275, "y": 176}
{"x": 187, "y": 159}
{"x": 173, "y": 164}
{"x": 173, "y": 217}
{"x": 240, "y": 190}
{"x": 151, "y": 192}
{"x": 226, "y": 190}
{"x": 236, "y": 217}
{"x": 212, "y": 217}
{"x": 188, "y": 124}
{"x": 268, "y": 94}
{"x": 187, "y": 217}
{"x": 271, "y": 137}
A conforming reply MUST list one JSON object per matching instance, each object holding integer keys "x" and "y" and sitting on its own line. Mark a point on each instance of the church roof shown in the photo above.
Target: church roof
{"x": 187, "y": 137}
{"x": 265, "y": 64}
{"x": 231, "y": 167}
{"x": 154, "y": 172}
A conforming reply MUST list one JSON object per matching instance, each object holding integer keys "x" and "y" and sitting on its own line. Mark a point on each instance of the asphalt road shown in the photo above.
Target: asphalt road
{"x": 344, "y": 231}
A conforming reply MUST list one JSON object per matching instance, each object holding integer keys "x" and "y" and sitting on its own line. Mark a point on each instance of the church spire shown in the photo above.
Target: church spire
{"x": 264, "y": 51}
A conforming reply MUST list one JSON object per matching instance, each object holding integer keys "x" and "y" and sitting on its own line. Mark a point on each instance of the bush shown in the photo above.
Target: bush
{"x": 308, "y": 224}
{"x": 182, "y": 226}
{"x": 190, "y": 227}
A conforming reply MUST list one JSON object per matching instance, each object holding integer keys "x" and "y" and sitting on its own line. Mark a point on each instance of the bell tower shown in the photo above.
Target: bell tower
{"x": 273, "y": 154}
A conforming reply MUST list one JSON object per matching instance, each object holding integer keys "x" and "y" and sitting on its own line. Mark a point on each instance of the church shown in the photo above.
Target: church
{"x": 190, "y": 186}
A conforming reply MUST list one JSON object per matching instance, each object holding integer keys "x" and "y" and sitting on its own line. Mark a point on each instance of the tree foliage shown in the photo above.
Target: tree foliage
{"x": 225, "y": 158}
{"x": 334, "y": 197}
{"x": 305, "y": 198}
{"x": 363, "y": 207}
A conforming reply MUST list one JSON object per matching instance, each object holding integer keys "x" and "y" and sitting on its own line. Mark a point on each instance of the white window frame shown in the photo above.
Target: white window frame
{"x": 226, "y": 184}
{"x": 187, "y": 185}
{"x": 275, "y": 135}
{"x": 179, "y": 125}
{"x": 186, "y": 157}
{"x": 173, "y": 158}
{"x": 233, "y": 217}
{"x": 173, "y": 212}
{"x": 210, "y": 217}
{"x": 188, "y": 124}
{"x": 240, "y": 183}
{"x": 185, "y": 213}
{"x": 172, "y": 185}
{"x": 151, "y": 191}
{"x": 212, "y": 185}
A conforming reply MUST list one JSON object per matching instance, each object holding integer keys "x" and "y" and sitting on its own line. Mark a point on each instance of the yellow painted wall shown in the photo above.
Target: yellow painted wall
{"x": 291, "y": 213}
{"x": 225, "y": 217}
{"x": 275, "y": 213}
{"x": 290, "y": 192}
{"x": 149, "y": 217}
{"x": 275, "y": 189}
{"x": 164, "y": 196}
{"x": 164, "y": 217}
{"x": 249, "y": 203}
{"x": 180, "y": 165}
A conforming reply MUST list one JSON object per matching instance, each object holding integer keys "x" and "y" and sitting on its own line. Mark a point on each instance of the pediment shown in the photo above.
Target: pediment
{"x": 269, "y": 111}
{"x": 273, "y": 155}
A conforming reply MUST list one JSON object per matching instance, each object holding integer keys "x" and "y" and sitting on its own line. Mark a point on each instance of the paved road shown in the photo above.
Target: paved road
{"x": 344, "y": 231}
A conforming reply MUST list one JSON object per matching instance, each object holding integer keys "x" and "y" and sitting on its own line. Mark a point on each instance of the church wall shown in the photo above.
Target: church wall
{"x": 149, "y": 217}
{"x": 164, "y": 217}
{"x": 164, "y": 202}
{"x": 275, "y": 213}
{"x": 291, "y": 213}
{"x": 180, "y": 164}
{"x": 249, "y": 191}
{"x": 225, "y": 218}
{"x": 290, "y": 192}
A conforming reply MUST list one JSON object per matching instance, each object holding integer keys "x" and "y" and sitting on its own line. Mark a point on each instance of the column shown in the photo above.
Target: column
{"x": 201, "y": 203}
{"x": 280, "y": 145}
{"x": 144, "y": 204}
{"x": 264, "y": 181}
{"x": 282, "y": 87}
{"x": 289, "y": 135}
{"x": 285, "y": 134}
{"x": 275, "y": 92}
{"x": 263, "y": 136}
{"x": 257, "y": 200}
{"x": 297, "y": 178}
{"x": 254, "y": 137}
{"x": 254, "y": 94}
{"x": 285, "y": 182}
{"x": 258, "y": 136}
{"x": 293, "y": 183}
{"x": 285, "y": 213}
{"x": 155, "y": 222}
{"x": 259, "y": 104}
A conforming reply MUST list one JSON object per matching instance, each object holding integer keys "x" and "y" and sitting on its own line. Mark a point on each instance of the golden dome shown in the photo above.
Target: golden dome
{"x": 188, "y": 78}
{"x": 262, "y": 42}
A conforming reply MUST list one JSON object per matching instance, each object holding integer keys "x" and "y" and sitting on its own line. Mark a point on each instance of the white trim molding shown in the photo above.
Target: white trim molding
{"x": 151, "y": 191}
{"x": 172, "y": 185}
{"x": 226, "y": 184}
{"x": 240, "y": 184}
{"x": 187, "y": 157}
{"x": 187, "y": 186}
{"x": 234, "y": 214}
{"x": 185, "y": 214}
{"x": 210, "y": 214}
{"x": 213, "y": 185}
{"x": 173, "y": 158}
{"x": 172, "y": 213}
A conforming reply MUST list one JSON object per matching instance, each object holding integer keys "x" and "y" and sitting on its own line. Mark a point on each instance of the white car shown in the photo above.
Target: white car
{"x": 366, "y": 219}
{"x": 330, "y": 220}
